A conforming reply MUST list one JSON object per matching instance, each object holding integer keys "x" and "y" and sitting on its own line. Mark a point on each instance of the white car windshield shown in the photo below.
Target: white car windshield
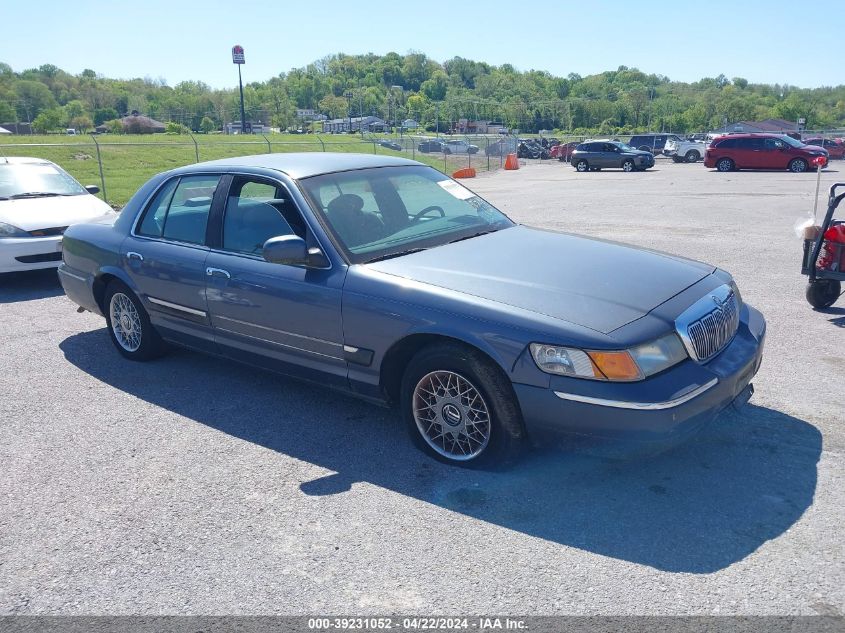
{"x": 388, "y": 211}
{"x": 36, "y": 180}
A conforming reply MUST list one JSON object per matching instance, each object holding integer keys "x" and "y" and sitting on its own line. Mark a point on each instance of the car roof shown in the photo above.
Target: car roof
{"x": 24, "y": 160}
{"x": 304, "y": 164}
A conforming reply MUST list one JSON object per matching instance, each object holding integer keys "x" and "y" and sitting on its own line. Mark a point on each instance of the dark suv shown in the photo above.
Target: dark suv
{"x": 595, "y": 155}
{"x": 653, "y": 143}
{"x": 762, "y": 151}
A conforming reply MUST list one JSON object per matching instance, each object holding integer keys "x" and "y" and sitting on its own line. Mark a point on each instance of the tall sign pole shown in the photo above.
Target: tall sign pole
{"x": 238, "y": 58}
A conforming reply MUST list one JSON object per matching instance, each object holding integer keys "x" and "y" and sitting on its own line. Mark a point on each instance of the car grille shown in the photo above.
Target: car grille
{"x": 710, "y": 334}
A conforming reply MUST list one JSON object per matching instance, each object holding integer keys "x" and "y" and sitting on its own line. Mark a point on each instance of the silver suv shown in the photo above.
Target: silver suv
{"x": 597, "y": 155}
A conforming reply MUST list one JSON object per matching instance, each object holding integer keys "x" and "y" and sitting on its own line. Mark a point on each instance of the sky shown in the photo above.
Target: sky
{"x": 763, "y": 41}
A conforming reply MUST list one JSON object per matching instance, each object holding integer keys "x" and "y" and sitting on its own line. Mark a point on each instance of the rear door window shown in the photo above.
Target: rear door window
{"x": 187, "y": 215}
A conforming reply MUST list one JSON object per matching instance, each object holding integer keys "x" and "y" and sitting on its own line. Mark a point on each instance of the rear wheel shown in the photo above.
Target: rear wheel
{"x": 692, "y": 156}
{"x": 798, "y": 165}
{"x": 460, "y": 408}
{"x": 582, "y": 165}
{"x": 628, "y": 165}
{"x": 129, "y": 324}
{"x": 725, "y": 164}
{"x": 823, "y": 293}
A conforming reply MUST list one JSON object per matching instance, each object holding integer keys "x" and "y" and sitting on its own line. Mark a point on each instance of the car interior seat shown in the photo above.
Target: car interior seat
{"x": 354, "y": 225}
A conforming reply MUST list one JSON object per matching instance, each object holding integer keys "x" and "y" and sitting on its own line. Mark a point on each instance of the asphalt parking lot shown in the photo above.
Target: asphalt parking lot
{"x": 194, "y": 486}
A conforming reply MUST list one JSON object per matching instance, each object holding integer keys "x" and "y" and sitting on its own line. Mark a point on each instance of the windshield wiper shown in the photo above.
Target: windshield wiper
{"x": 472, "y": 235}
{"x": 381, "y": 258}
{"x": 36, "y": 194}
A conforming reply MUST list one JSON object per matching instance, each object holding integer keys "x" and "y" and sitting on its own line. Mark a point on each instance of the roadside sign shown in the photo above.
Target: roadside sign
{"x": 238, "y": 54}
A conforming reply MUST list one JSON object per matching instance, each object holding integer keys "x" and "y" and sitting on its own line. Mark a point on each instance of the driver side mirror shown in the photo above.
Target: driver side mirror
{"x": 92, "y": 189}
{"x": 285, "y": 249}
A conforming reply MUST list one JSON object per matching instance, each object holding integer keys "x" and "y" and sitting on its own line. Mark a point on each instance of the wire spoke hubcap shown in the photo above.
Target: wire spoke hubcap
{"x": 451, "y": 415}
{"x": 125, "y": 322}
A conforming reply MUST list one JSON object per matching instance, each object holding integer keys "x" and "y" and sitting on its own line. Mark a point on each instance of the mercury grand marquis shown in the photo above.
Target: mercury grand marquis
{"x": 384, "y": 278}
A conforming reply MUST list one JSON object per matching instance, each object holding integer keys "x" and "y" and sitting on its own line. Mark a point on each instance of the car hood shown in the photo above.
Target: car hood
{"x": 637, "y": 152}
{"x": 596, "y": 284}
{"x": 31, "y": 214}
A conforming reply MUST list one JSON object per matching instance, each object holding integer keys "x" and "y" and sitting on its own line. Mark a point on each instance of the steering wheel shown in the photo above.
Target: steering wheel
{"x": 433, "y": 207}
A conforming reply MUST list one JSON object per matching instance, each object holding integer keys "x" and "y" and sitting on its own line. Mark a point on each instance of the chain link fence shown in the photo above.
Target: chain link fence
{"x": 121, "y": 164}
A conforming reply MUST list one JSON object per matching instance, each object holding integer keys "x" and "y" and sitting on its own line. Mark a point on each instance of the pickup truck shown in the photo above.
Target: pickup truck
{"x": 684, "y": 151}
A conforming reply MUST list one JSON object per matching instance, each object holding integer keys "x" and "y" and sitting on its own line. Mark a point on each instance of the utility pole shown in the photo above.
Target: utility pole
{"x": 239, "y": 59}
{"x": 349, "y": 96}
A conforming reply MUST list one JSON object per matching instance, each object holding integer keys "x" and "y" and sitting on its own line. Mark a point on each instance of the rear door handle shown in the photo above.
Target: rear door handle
{"x": 136, "y": 256}
{"x": 217, "y": 272}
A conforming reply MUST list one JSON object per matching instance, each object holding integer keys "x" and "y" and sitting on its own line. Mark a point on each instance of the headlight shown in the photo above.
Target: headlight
{"x": 7, "y": 230}
{"x": 626, "y": 365}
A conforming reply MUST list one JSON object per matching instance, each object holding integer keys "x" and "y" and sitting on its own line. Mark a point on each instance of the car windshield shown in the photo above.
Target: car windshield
{"x": 791, "y": 141}
{"x": 36, "y": 180}
{"x": 388, "y": 211}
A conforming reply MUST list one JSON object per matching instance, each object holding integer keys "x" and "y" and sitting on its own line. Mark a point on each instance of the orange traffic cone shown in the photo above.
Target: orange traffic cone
{"x": 511, "y": 162}
{"x": 466, "y": 172}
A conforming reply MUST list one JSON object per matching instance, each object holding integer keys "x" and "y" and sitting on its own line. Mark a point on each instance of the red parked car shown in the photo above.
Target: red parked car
{"x": 563, "y": 152}
{"x": 762, "y": 151}
{"x": 835, "y": 148}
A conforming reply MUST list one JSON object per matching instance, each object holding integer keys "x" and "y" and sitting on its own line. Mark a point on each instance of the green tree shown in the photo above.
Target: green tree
{"x": 83, "y": 123}
{"x": 207, "y": 124}
{"x": 7, "y": 113}
{"x": 49, "y": 120}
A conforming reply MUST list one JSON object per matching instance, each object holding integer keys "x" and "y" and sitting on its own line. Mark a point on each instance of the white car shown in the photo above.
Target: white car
{"x": 459, "y": 146}
{"x": 38, "y": 201}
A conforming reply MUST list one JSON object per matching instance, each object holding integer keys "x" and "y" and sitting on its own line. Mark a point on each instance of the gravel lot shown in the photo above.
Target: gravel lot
{"x": 195, "y": 486}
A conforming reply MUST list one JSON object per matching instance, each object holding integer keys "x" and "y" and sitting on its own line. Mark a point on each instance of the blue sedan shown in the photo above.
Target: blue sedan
{"x": 382, "y": 277}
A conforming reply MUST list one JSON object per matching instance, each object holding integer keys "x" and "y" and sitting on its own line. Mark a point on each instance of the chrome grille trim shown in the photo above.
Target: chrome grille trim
{"x": 709, "y": 325}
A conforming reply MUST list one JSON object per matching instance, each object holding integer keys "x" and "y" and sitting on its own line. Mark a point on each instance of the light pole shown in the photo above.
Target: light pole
{"x": 239, "y": 59}
{"x": 349, "y": 96}
{"x": 396, "y": 107}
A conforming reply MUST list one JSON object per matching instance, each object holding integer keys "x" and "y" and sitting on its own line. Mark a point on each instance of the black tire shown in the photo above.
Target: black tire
{"x": 798, "y": 165}
{"x": 582, "y": 165}
{"x": 692, "y": 156}
{"x": 725, "y": 165}
{"x": 446, "y": 150}
{"x": 823, "y": 293}
{"x": 151, "y": 345}
{"x": 628, "y": 165}
{"x": 506, "y": 434}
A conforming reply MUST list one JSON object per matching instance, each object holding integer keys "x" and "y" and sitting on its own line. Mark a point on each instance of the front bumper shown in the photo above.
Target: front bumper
{"x": 30, "y": 253}
{"x": 667, "y": 406}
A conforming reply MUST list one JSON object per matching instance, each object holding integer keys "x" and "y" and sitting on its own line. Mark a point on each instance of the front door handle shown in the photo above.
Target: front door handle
{"x": 136, "y": 256}
{"x": 217, "y": 272}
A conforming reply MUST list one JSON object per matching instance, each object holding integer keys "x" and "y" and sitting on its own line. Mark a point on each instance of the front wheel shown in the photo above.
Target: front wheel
{"x": 823, "y": 293}
{"x": 628, "y": 165}
{"x": 129, "y": 324}
{"x": 582, "y": 165}
{"x": 798, "y": 165}
{"x": 460, "y": 408}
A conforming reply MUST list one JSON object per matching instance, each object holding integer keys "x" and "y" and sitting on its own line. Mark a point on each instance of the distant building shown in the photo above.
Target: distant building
{"x": 355, "y": 124}
{"x": 136, "y": 123}
{"x": 410, "y": 124}
{"x": 18, "y": 128}
{"x": 251, "y": 128}
{"x": 309, "y": 114}
{"x": 466, "y": 126}
{"x": 779, "y": 126}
